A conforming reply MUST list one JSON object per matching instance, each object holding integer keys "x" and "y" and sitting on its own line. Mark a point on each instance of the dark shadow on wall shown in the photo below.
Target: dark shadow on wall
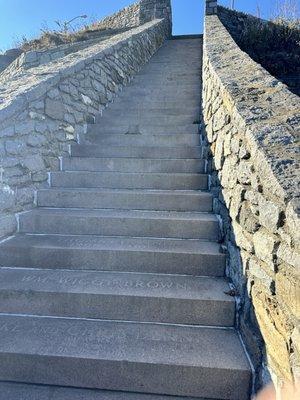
{"x": 275, "y": 46}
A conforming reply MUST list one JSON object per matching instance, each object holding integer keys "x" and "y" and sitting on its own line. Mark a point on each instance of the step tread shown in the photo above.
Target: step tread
{"x": 127, "y": 158}
{"x": 170, "y": 192}
{"x": 186, "y": 246}
{"x": 115, "y": 283}
{"x": 122, "y": 341}
{"x": 162, "y": 152}
{"x": 133, "y": 214}
{"x": 21, "y": 391}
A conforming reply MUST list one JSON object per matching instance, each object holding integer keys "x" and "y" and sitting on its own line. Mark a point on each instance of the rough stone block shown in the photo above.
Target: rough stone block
{"x": 288, "y": 288}
{"x": 265, "y": 247}
{"x": 276, "y": 345}
{"x": 269, "y": 215}
{"x": 54, "y": 109}
{"x": 8, "y": 225}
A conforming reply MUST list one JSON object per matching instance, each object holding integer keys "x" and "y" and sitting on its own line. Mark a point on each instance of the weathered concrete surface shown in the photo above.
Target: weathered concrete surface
{"x": 13, "y": 391}
{"x": 124, "y": 356}
{"x": 175, "y": 299}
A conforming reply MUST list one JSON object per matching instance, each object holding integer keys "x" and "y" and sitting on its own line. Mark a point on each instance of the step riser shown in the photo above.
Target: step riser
{"x": 129, "y": 181}
{"x": 179, "y": 74}
{"x": 140, "y": 130}
{"x": 186, "y": 97}
{"x": 50, "y": 224}
{"x": 147, "y": 103}
{"x": 114, "y": 260}
{"x": 167, "y": 83}
{"x": 138, "y": 152}
{"x": 127, "y": 376}
{"x": 133, "y": 165}
{"x": 113, "y": 118}
{"x": 167, "y": 79}
{"x": 142, "y": 140}
{"x": 132, "y": 108}
{"x": 113, "y": 307}
{"x": 126, "y": 201}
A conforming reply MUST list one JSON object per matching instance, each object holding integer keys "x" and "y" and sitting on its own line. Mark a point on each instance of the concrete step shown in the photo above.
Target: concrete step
{"x": 21, "y": 391}
{"x": 183, "y": 70}
{"x": 192, "y": 92}
{"x": 137, "y": 118}
{"x": 112, "y": 180}
{"x": 151, "y": 103}
{"x": 142, "y": 129}
{"x": 124, "y": 356}
{"x": 162, "y": 93}
{"x": 166, "y": 256}
{"x": 117, "y": 296}
{"x": 136, "y": 151}
{"x": 174, "y": 139}
{"x": 134, "y": 107}
{"x": 121, "y": 164}
{"x": 166, "y": 83}
{"x": 167, "y": 80}
{"x": 120, "y": 223}
{"x": 126, "y": 199}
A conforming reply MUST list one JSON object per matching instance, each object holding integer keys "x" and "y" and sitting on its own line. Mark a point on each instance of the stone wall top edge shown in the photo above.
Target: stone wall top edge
{"x": 264, "y": 106}
{"x": 34, "y": 83}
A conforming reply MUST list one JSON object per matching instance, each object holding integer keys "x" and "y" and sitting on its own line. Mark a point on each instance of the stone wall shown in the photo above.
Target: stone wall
{"x": 44, "y": 109}
{"x": 8, "y": 57}
{"x": 138, "y": 14}
{"x": 276, "y": 46}
{"x": 252, "y": 132}
{"x": 34, "y": 58}
{"x": 125, "y": 18}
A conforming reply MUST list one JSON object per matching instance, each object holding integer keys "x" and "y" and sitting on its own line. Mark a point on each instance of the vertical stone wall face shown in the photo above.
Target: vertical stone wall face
{"x": 45, "y": 109}
{"x": 252, "y": 131}
{"x": 128, "y": 17}
{"x": 138, "y": 14}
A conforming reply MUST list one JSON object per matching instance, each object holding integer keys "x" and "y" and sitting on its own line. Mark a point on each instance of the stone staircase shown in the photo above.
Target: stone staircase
{"x": 115, "y": 282}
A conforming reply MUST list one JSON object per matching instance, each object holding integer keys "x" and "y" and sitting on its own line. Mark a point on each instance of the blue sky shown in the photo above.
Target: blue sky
{"x": 26, "y": 17}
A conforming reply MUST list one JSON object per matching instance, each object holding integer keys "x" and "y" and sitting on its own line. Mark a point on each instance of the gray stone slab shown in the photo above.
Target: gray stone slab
{"x": 189, "y": 257}
{"x": 136, "y": 151}
{"x": 173, "y": 139}
{"x": 161, "y": 359}
{"x": 21, "y": 391}
{"x": 134, "y": 107}
{"x": 117, "y": 296}
{"x": 142, "y": 129}
{"x": 151, "y": 103}
{"x": 137, "y": 199}
{"x": 139, "y": 118}
{"x": 130, "y": 181}
{"x": 120, "y": 223}
{"x": 116, "y": 164}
